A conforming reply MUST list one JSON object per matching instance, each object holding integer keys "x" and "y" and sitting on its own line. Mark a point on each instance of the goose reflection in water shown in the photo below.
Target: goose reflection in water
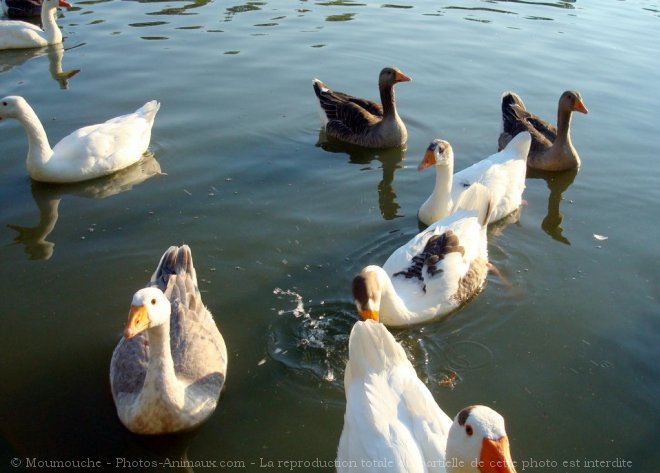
{"x": 390, "y": 159}
{"x": 557, "y": 182}
{"x": 11, "y": 58}
{"x": 48, "y": 197}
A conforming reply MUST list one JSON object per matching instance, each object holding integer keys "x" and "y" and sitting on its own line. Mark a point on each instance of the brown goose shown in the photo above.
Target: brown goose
{"x": 360, "y": 121}
{"x": 167, "y": 372}
{"x": 552, "y": 149}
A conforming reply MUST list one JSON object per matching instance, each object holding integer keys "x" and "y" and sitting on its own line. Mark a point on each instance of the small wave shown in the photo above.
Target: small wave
{"x": 444, "y": 362}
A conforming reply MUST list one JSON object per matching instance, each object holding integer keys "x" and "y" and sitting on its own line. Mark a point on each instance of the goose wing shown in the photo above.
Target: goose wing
{"x": 198, "y": 349}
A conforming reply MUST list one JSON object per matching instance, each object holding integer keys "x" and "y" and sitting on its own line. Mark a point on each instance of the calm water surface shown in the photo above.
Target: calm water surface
{"x": 564, "y": 345}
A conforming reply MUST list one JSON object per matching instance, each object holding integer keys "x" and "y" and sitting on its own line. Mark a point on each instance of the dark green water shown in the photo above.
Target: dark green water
{"x": 565, "y": 346}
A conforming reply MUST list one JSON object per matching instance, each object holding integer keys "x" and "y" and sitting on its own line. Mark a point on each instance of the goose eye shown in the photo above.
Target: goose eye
{"x": 153, "y": 301}
{"x": 468, "y": 430}
{"x": 4, "y": 103}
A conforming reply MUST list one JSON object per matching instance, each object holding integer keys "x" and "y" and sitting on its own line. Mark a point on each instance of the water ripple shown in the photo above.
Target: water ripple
{"x": 440, "y": 361}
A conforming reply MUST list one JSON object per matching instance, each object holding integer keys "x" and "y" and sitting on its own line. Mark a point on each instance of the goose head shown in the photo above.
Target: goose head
{"x": 11, "y": 106}
{"x": 390, "y": 76}
{"x": 149, "y": 308}
{"x": 571, "y": 101}
{"x": 478, "y": 442}
{"x": 367, "y": 292}
{"x": 439, "y": 153}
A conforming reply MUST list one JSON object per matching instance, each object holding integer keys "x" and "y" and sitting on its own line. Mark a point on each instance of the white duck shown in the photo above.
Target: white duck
{"x": 16, "y": 34}
{"x": 502, "y": 173}
{"x": 167, "y": 371}
{"x": 435, "y": 272}
{"x": 87, "y": 153}
{"x": 392, "y": 423}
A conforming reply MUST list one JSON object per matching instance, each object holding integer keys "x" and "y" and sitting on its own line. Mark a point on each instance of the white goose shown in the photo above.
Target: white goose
{"x": 392, "y": 423}
{"x": 87, "y": 153}
{"x": 167, "y": 372}
{"x": 502, "y": 173}
{"x": 16, "y": 34}
{"x": 435, "y": 272}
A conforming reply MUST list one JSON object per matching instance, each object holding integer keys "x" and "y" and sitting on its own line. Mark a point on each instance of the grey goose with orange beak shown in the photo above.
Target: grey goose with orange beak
{"x": 552, "y": 148}
{"x": 360, "y": 121}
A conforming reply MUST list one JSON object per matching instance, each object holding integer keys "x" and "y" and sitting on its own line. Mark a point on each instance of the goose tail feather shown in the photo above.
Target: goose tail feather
{"x": 372, "y": 348}
{"x": 149, "y": 110}
{"x": 519, "y": 145}
{"x": 476, "y": 198}
{"x": 509, "y": 117}
{"x": 175, "y": 261}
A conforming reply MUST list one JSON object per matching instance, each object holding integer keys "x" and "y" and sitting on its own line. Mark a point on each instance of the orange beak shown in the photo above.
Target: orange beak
{"x": 495, "y": 456}
{"x": 428, "y": 160}
{"x": 64, "y": 4}
{"x": 579, "y": 107}
{"x": 138, "y": 321}
{"x": 367, "y": 314}
{"x": 401, "y": 77}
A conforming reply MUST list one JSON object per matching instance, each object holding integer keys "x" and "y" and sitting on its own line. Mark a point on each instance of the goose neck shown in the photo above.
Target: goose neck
{"x": 161, "y": 378}
{"x": 563, "y": 126}
{"x": 393, "y": 308}
{"x": 49, "y": 25}
{"x": 387, "y": 99}
{"x": 39, "y": 150}
{"x": 439, "y": 203}
{"x": 443, "y": 182}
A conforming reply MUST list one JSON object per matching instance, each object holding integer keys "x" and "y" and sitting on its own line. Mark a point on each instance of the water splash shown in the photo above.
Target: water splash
{"x": 299, "y": 310}
{"x": 313, "y": 340}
